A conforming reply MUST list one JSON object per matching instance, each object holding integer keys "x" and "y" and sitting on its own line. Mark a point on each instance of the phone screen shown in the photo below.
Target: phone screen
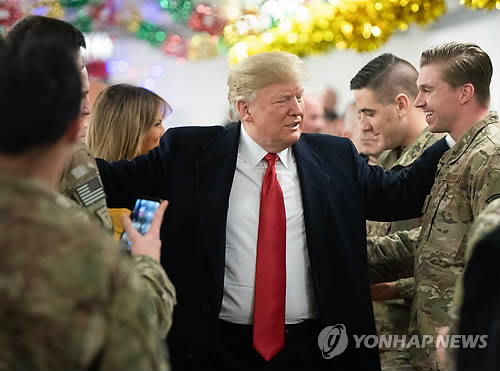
{"x": 141, "y": 217}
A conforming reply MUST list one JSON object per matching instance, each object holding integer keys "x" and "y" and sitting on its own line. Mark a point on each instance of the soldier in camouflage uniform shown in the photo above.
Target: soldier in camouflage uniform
{"x": 392, "y": 317}
{"x": 80, "y": 180}
{"x": 454, "y": 94}
{"x": 69, "y": 301}
{"x": 385, "y": 89}
{"x": 485, "y": 223}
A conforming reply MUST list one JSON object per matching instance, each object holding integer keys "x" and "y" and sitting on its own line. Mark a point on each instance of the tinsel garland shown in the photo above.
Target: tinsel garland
{"x": 301, "y": 27}
{"x": 362, "y": 25}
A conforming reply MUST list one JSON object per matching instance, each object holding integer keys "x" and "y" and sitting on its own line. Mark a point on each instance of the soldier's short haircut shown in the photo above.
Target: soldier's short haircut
{"x": 388, "y": 76}
{"x": 40, "y": 93}
{"x": 463, "y": 63}
{"x": 36, "y": 26}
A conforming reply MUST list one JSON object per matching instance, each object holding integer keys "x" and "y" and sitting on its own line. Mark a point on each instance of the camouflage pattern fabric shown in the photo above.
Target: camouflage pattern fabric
{"x": 81, "y": 182}
{"x": 68, "y": 300}
{"x": 467, "y": 179}
{"x": 485, "y": 223}
{"x": 392, "y": 317}
{"x": 160, "y": 291}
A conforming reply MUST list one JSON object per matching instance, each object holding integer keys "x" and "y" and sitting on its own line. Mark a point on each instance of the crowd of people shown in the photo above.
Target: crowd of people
{"x": 291, "y": 234}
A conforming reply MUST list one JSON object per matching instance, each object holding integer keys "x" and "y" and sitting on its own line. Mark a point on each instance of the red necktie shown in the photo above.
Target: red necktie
{"x": 270, "y": 274}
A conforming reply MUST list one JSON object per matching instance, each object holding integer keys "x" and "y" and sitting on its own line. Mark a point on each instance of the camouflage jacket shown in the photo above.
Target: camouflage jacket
{"x": 159, "y": 289}
{"x": 68, "y": 300}
{"x": 396, "y": 159}
{"x": 81, "y": 182}
{"x": 392, "y": 317}
{"x": 467, "y": 179}
{"x": 487, "y": 220}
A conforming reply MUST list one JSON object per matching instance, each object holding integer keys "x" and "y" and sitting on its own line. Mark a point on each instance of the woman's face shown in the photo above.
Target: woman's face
{"x": 152, "y": 138}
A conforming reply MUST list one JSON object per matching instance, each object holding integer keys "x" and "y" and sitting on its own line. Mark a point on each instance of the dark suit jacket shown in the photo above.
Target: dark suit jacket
{"x": 194, "y": 167}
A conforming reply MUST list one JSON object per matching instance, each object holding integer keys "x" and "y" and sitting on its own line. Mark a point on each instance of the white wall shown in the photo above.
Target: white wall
{"x": 197, "y": 90}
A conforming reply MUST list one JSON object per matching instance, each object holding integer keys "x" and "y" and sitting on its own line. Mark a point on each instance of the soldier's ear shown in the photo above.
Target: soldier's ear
{"x": 402, "y": 104}
{"x": 466, "y": 93}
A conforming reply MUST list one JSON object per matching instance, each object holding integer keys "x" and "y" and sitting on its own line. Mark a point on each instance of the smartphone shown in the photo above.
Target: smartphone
{"x": 142, "y": 216}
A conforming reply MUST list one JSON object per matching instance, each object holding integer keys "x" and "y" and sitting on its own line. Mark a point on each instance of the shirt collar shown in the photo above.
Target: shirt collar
{"x": 253, "y": 154}
{"x": 449, "y": 140}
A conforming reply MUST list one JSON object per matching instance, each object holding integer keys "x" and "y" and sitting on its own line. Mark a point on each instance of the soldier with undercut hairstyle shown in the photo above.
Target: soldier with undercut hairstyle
{"x": 384, "y": 90}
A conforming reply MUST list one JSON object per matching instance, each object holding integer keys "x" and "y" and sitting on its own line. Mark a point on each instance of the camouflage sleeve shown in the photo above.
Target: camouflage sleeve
{"x": 406, "y": 289}
{"x": 81, "y": 183}
{"x": 392, "y": 257}
{"x": 486, "y": 221}
{"x": 133, "y": 341}
{"x": 377, "y": 228}
{"x": 159, "y": 289}
{"x": 486, "y": 181}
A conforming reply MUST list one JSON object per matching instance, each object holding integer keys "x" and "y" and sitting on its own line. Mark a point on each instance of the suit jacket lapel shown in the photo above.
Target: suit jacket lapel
{"x": 214, "y": 177}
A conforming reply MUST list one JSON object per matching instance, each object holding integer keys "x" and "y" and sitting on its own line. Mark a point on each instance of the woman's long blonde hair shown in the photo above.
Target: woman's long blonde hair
{"x": 121, "y": 117}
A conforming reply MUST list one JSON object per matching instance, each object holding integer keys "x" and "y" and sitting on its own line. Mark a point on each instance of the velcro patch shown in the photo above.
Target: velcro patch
{"x": 79, "y": 171}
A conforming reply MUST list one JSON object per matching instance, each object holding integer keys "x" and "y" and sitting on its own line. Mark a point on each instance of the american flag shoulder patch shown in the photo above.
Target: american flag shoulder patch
{"x": 90, "y": 192}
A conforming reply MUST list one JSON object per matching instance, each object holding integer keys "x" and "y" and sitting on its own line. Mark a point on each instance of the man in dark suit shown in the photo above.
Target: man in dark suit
{"x": 213, "y": 234}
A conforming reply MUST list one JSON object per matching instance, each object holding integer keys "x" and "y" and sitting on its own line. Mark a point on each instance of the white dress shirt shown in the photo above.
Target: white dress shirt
{"x": 449, "y": 140}
{"x": 242, "y": 231}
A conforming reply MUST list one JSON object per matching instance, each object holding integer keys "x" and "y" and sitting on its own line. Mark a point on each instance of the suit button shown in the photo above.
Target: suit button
{"x": 205, "y": 308}
{"x": 191, "y": 352}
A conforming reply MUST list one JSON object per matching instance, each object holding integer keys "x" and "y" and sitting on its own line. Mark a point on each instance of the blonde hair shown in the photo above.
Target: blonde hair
{"x": 259, "y": 71}
{"x": 121, "y": 117}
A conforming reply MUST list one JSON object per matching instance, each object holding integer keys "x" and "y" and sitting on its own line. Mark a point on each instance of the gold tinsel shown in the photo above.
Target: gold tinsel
{"x": 201, "y": 46}
{"x": 481, "y": 4}
{"x": 362, "y": 25}
{"x": 54, "y": 9}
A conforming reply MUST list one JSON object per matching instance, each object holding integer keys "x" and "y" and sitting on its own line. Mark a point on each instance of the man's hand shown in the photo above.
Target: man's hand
{"x": 384, "y": 291}
{"x": 150, "y": 243}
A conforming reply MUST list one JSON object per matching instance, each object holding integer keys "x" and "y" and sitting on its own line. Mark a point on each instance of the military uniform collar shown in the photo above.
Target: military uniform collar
{"x": 24, "y": 183}
{"x": 408, "y": 156}
{"x": 404, "y": 156}
{"x": 30, "y": 186}
{"x": 388, "y": 158}
{"x": 465, "y": 141}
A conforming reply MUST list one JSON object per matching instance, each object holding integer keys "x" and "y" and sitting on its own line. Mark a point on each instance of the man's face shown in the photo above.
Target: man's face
{"x": 380, "y": 124}
{"x": 314, "y": 115}
{"x": 85, "y": 103}
{"x": 274, "y": 119}
{"x": 439, "y": 101}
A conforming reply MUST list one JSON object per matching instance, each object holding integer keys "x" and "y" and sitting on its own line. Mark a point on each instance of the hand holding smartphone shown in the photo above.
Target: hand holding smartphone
{"x": 141, "y": 234}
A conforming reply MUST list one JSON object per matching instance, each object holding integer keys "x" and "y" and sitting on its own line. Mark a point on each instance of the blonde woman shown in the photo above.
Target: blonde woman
{"x": 126, "y": 121}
